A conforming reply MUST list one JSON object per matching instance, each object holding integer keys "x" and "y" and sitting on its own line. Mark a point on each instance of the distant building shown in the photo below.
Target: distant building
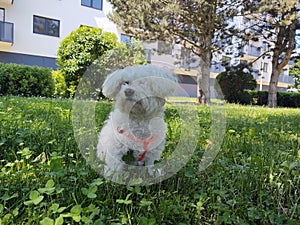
{"x": 31, "y": 30}
{"x": 233, "y": 52}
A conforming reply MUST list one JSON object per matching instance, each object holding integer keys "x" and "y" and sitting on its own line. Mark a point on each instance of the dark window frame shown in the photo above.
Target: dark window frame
{"x": 47, "y": 30}
{"x": 264, "y": 67}
{"x": 92, "y": 5}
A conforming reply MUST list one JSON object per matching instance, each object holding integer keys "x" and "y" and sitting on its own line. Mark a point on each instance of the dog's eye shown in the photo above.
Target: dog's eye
{"x": 125, "y": 83}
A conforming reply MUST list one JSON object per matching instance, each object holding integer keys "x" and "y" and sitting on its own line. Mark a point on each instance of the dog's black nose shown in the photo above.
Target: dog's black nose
{"x": 128, "y": 92}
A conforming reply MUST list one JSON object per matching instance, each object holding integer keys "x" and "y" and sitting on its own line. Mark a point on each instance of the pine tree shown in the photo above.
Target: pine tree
{"x": 276, "y": 22}
{"x": 193, "y": 23}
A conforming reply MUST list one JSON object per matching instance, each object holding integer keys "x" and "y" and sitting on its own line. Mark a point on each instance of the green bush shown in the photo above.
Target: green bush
{"x": 233, "y": 84}
{"x": 284, "y": 99}
{"x": 60, "y": 84}
{"x": 26, "y": 81}
{"x": 79, "y": 50}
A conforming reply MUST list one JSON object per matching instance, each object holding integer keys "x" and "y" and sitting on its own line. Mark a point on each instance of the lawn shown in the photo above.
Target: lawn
{"x": 255, "y": 178}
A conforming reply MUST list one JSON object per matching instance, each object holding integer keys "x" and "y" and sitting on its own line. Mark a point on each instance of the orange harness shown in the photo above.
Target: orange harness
{"x": 146, "y": 142}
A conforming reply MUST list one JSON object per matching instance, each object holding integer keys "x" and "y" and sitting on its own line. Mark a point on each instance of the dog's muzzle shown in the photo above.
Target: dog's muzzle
{"x": 129, "y": 92}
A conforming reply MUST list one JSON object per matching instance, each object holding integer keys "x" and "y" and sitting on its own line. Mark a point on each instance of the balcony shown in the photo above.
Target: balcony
{"x": 286, "y": 79}
{"x": 6, "y": 32}
{"x": 251, "y": 52}
{"x": 254, "y": 51}
{"x": 7, "y": 2}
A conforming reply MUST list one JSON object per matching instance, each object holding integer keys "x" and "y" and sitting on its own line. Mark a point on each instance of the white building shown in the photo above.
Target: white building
{"x": 31, "y": 30}
{"x": 232, "y": 53}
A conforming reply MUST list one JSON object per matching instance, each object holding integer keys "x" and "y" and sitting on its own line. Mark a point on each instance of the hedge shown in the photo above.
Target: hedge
{"x": 284, "y": 99}
{"x": 26, "y": 81}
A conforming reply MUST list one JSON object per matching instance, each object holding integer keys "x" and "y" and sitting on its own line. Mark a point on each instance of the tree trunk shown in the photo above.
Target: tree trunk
{"x": 272, "y": 96}
{"x": 203, "y": 79}
{"x": 284, "y": 45}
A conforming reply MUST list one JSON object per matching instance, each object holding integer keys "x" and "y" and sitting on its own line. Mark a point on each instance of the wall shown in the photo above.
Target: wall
{"x": 70, "y": 13}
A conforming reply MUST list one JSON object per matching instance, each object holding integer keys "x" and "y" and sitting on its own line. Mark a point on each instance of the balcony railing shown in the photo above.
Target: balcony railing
{"x": 6, "y": 32}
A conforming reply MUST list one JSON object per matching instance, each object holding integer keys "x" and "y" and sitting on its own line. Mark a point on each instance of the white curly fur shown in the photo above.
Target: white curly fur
{"x": 139, "y": 93}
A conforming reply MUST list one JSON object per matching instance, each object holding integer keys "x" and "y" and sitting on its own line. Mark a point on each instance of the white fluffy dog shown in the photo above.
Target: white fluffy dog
{"x": 136, "y": 124}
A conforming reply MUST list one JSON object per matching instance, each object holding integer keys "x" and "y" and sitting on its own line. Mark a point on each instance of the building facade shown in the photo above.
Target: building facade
{"x": 31, "y": 30}
{"x": 257, "y": 52}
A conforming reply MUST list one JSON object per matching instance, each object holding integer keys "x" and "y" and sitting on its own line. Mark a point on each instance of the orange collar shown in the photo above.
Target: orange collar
{"x": 146, "y": 142}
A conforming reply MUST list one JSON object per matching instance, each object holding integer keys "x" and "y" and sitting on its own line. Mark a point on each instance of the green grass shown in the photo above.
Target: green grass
{"x": 255, "y": 178}
{"x": 183, "y": 99}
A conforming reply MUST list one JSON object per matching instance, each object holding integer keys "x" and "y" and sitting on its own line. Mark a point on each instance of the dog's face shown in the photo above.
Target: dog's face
{"x": 137, "y": 98}
{"x": 140, "y": 90}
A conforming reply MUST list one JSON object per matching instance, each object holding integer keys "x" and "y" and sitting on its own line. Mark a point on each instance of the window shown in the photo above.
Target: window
{"x": 96, "y": 4}
{"x": 126, "y": 39}
{"x": 265, "y": 46}
{"x": 2, "y": 14}
{"x": 42, "y": 25}
{"x": 264, "y": 67}
{"x": 225, "y": 60}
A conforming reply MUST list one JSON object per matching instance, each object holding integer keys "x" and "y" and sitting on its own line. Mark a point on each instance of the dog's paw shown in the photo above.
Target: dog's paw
{"x": 154, "y": 172}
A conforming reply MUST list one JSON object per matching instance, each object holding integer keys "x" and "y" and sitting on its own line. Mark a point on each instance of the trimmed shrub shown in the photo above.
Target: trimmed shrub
{"x": 79, "y": 50}
{"x": 26, "y": 81}
{"x": 284, "y": 99}
{"x": 233, "y": 84}
{"x": 288, "y": 99}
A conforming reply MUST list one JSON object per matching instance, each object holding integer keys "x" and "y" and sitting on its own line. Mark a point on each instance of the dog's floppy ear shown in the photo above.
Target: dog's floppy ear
{"x": 163, "y": 83}
{"x": 111, "y": 85}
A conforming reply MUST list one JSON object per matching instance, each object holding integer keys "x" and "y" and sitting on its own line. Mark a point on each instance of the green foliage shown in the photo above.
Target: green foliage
{"x": 79, "y": 50}
{"x": 255, "y": 179}
{"x": 295, "y": 72}
{"x": 233, "y": 84}
{"x": 59, "y": 83}
{"x": 24, "y": 80}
